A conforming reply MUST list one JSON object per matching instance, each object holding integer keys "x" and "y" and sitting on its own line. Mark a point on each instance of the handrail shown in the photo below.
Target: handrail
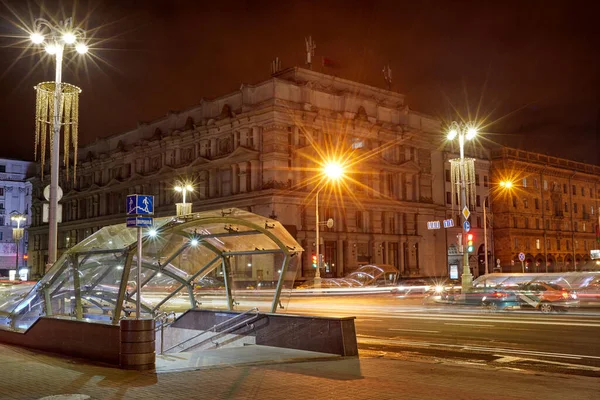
{"x": 223, "y": 332}
{"x": 213, "y": 329}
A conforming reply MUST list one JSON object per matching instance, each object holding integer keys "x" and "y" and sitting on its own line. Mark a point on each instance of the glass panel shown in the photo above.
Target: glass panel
{"x": 100, "y": 279}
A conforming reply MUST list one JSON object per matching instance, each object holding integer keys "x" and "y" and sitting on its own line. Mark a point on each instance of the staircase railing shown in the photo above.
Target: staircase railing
{"x": 217, "y": 326}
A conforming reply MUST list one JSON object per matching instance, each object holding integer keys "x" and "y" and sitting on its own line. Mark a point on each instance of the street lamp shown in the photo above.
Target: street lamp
{"x": 463, "y": 177}
{"x": 54, "y": 38}
{"x": 333, "y": 171}
{"x": 17, "y": 236}
{"x": 184, "y": 208}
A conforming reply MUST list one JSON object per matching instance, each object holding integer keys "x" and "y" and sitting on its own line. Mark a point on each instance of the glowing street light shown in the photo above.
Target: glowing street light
{"x": 464, "y": 131}
{"x": 506, "y": 184}
{"x": 333, "y": 171}
{"x": 54, "y": 38}
{"x": 183, "y": 208}
{"x": 17, "y": 236}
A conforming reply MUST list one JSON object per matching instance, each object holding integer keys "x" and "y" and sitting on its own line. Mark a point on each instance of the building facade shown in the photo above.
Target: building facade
{"x": 260, "y": 149}
{"x": 550, "y": 214}
{"x": 15, "y": 199}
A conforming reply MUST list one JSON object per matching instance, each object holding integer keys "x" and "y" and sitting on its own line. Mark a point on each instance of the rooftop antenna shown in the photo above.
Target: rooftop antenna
{"x": 275, "y": 66}
{"x": 310, "y": 50}
{"x": 387, "y": 75}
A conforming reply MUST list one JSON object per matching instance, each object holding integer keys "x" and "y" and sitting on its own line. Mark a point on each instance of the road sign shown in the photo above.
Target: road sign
{"x": 139, "y": 222}
{"x": 466, "y": 213}
{"x": 521, "y": 257}
{"x": 140, "y": 204}
{"x": 448, "y": 223}
{"x": 466, "y": 226}
{"x": 433, "y": 225}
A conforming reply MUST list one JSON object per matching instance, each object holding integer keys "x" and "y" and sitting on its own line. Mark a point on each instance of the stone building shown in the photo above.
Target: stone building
{"x": 259, "y": 149}
{"x": 15, "y": 198}
{"x": 549, "y": 215}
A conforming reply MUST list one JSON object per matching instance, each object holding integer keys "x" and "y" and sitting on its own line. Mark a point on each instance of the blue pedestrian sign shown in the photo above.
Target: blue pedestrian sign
{"x": 466, "y": 226}
{"x": 140, "y": 222}
{"x": 140, "y": 204}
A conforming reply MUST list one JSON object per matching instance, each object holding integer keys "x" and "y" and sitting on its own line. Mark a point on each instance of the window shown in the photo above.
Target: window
{"x": 537, "y": 244}
{"x": 537, "y": 204}
{"x": 250, "y": 139}
{"x": 535, "y": 183}
{"x": 1, "y": 191}
{"x": 526, "y": 223}
{"x": 548, "y": 247}
{"x": 545, "y": 184}
{"x": 574, "y": 190}
{"x": 576, "y": 244}
{"x": 477, "y": 179}
{"x": 479, "y": 222}
{"x": 514, "y": 201}
{"x": 582, "y": 191}
{"x": 359, "y": 220}
{"x": 547, "y": 205}
{"x": 516, "y": 243}
{"x": 448, "y": 198}
{"x": 2, "y": 168}
{"x": 537, "y": 223}
{"x": 525, "y": 203}
{"x": 557, "y": 244}
{"x": 515, "y": 224}
{"x": 575, "y": 226}
{"x": 592, "y": 210}
{"x": 583, "y": 227}
{"x": 448, "y": 175}
{"x": 547, "y": 224}
{"x": 524, "y": 182}
{"x": 575, "y": 208}
{"x": 564, "y": 188}
{"x": 478, "y": 201}
{"x": 485, "y": 181}
{"x": 566, "y": 207}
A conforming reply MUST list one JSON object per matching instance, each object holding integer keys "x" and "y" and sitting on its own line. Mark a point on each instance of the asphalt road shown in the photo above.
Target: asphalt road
{"x": 408, "y": 328}
{"x": 412, "y": 327}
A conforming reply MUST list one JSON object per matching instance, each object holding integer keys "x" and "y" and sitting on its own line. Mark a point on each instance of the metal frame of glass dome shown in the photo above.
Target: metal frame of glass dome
{"x": 93, "y": 275}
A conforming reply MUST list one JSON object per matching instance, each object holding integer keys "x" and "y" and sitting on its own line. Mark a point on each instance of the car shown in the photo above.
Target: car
{"x": 501, "y": 299}
{"x": 543, "y": 296}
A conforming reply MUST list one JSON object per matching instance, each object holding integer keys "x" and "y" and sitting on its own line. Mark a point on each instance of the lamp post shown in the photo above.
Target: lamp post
{"x": 463, "y": 171}
{"x": 17, "y": 236}
{"x": 54, "y": 38}
{"x": 332, "y": 171}
{"x": 183, "y": 208}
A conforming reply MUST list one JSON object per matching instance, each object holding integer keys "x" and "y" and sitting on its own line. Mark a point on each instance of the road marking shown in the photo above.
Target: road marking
{"x": 412, "y": 343}
{"x": 506, "y": 359}
{"x": 485, "y": 326}
{"x": 413, "y": 330}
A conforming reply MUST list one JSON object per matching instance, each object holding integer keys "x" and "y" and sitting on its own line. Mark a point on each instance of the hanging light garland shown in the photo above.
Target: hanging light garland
{"x": 68, "y": 117}
{"x": 463, "y": 171}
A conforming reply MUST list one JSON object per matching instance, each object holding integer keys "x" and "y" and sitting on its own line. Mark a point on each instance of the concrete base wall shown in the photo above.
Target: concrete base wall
{"x": 321, "y": 334}
{"x": 93, "y": 341}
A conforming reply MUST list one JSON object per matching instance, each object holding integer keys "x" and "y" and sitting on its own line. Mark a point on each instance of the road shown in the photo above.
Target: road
{"x": 409, "y": 327}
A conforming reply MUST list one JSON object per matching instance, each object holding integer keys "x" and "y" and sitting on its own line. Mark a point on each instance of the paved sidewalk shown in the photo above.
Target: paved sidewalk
{"x": 28, "y": 375}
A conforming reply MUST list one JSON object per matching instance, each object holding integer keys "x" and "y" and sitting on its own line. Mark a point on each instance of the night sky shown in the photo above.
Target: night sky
{"x": 531, "y": 68}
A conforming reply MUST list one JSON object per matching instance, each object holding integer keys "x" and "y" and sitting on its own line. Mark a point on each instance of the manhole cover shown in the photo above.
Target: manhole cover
{"x": 67, "y": 397}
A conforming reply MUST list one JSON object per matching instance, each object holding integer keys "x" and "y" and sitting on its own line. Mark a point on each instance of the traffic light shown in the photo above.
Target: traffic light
{"x": 314, "y": 260}
{"x": 470, "y": 243}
